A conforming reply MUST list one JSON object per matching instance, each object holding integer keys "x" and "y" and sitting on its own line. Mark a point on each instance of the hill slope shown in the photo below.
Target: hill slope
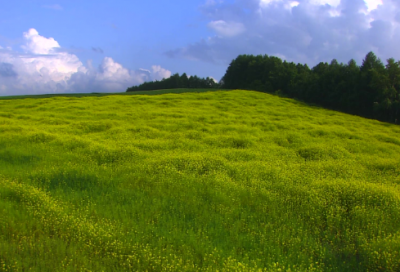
{"x": 228, "y": 180}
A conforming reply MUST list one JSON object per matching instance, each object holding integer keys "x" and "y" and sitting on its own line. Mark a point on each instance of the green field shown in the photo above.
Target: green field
{"x": 156, "y": 92}
{"x": 210, "y": 181}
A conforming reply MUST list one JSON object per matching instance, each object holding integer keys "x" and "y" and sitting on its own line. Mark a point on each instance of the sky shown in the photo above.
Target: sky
{"x": 71, "y": 46}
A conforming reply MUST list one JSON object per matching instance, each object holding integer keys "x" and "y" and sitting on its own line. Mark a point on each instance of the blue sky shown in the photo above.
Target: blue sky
{"x": 107, "y": 46}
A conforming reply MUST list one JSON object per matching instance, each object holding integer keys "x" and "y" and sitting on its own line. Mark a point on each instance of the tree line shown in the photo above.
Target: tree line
{"x": 176, "y": 81}
{"x": 371, "y": 90}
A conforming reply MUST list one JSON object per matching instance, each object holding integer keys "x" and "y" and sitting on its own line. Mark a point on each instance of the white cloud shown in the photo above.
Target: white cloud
{"x": 333, "y": 3}
{"x": 112, "y": 70}
{"x": 37, "y": 44}
{"x": 293, "y": 4}
{"x": 159, "y": 73}
{"x": 265, "y": 3}
{"x": 226, "y": 29}
{"x": 373, "y": 4}
{"x": 43, "y": 68}
{"x": 145, "y": 70}
{"x": 287, "y": 4}
{"x": 307, "y": 31}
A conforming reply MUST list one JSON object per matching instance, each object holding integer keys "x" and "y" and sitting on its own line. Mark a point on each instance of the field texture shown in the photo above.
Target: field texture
{"x": 225, "y": 180}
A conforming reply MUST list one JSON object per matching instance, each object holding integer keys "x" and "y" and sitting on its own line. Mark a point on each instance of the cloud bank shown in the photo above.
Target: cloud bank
{"x": 43, "y": 67}
{"x": 307, "y": 31}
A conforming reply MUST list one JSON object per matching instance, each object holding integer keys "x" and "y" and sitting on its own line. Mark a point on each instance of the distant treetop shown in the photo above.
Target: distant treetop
{"x": 176, "y": 81}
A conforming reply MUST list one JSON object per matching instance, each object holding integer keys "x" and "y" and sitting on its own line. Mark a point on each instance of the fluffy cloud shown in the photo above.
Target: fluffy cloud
{"x": 373, "y": 4}
{"x": 159, "y": 73}
{"x": 156, "y": 73}
{"x": 42, "y": 67}
{"x": 302, "y": 31}
{"x": 225, "y": 29}
{"x": 37, "y": 44}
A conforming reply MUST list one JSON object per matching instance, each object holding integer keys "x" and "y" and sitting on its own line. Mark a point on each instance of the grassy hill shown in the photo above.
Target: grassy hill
{"x": 225, "y": 180}
{"x": 155, "y": 92}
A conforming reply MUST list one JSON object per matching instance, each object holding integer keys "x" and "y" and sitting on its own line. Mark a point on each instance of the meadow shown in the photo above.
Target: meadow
{"x": 208, "y": 181}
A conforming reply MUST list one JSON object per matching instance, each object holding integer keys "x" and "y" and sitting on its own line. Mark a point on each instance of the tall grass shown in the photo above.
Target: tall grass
{"x": 227, "y": 181}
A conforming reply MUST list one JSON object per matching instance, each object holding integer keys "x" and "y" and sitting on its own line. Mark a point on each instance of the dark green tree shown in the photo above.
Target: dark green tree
{"x": 372, "y": 74}
{"x": 176, "y": 81}
{"x": 372, "y": 90}
{"x": 184, "y": 80}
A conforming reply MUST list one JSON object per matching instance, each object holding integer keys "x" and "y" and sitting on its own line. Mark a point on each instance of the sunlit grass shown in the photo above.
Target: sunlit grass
{"x": 227, "y": 180}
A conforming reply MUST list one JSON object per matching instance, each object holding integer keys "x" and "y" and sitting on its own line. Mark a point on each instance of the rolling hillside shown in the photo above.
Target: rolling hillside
{"x": 223, "y": 180}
